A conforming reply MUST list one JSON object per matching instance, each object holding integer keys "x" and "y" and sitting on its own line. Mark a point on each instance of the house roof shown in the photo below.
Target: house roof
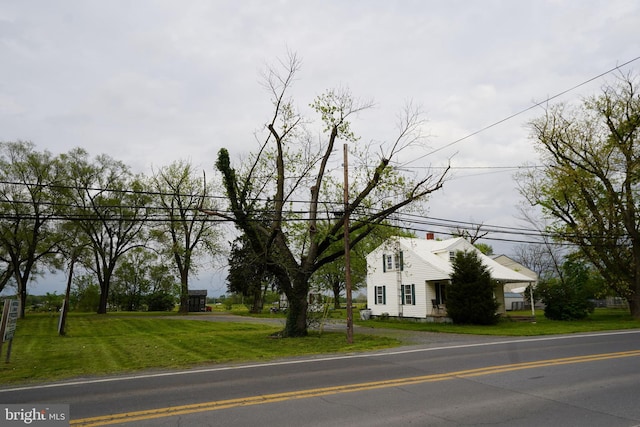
{"x": 436, "y": 254}
{"x": 197, "y": 292}
{"x": 515, "y": 266}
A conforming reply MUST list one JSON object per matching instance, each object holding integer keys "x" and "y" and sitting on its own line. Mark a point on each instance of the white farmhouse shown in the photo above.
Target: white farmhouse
{"x": 408, "y": 277}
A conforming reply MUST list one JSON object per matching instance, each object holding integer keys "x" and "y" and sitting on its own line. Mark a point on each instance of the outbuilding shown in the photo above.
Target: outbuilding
{"x": 198, "y": 300}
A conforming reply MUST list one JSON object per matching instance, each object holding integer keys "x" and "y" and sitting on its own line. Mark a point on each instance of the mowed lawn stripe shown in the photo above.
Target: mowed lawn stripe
{"x": 108, "y": 344}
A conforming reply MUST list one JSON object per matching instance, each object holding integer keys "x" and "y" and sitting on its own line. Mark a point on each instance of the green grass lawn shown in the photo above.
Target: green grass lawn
{"x": 600, "y": 320}
{"x": 114, "y": 343}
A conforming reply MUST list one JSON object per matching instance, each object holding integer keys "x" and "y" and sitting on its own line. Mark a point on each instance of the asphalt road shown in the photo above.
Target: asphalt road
{"x": 439, "y": 380}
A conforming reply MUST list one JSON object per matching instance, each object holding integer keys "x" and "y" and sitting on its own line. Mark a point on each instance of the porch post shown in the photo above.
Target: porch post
{"x": 533, "y": 308}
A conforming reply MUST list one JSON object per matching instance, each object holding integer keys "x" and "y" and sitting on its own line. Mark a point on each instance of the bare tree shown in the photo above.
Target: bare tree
{"x": 278, "y": 200}
{"x": 544, "y": 256}
{"x": 472, "y": 234}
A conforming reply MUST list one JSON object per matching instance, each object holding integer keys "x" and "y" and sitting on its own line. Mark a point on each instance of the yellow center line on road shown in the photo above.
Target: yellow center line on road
{"x": 127, "y": 417}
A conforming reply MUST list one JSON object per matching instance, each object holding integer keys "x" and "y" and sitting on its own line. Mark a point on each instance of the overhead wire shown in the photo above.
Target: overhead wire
{"x": 405, "y": 217}
{"x": 518, "y": 113}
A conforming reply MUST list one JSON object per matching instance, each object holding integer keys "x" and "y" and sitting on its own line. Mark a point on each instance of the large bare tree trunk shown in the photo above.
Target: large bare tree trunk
{"x": 297, "y": 313}
{"x": 335, "y": 286}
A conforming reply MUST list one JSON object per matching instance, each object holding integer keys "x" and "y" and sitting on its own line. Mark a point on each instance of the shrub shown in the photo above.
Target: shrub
{"x": 470, "y": 296}
{"x": 567, "y": 298}
{"x": 160, "y": 301}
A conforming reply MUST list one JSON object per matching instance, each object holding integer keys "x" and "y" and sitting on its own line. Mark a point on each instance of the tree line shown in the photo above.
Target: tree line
{"x": 126, "y": 230}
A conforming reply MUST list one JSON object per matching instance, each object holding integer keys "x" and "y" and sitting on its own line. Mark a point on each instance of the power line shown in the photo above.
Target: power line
{"x": 537, "y": 104}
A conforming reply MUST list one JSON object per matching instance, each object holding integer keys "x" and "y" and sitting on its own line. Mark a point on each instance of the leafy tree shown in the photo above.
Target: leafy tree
{"x": 130, "y": 282}
{"x": 53, "y": 301}
{"x": 28, "y": 210}
{"x": 164, "y": 289}
{"x": 141, "y": 278}
{"x": 248, "y": 274}
{"x": 187, "y": 232}
{"x": 484, "y": 248}
{"x": 161, "y": 281}
{"x": 470, "y": 298}
{"x": 85, "y": 294}
{"x": 331, "y": 277}
{"x": 588, "y": 185}
{"x": 110, "y": 206}
{"x": 160, "y": 301}
{"x": 288, "y": 175}
{"x": 6, "y": 270}
{"x": 142, "y": 281}
{"x": 567, "y": 298}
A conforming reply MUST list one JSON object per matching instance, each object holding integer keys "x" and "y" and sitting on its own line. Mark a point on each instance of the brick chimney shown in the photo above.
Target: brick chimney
{"x": 430, "y": 236}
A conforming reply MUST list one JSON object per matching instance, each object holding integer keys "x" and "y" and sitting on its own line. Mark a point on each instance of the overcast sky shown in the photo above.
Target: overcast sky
{"x": 149, "y": 82}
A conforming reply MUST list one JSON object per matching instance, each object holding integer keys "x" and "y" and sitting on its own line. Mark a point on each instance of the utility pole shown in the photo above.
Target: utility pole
{"x": 347, "y": 252}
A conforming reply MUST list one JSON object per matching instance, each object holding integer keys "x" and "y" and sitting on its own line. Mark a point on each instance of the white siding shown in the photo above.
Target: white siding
{"x": 425, "y": 262}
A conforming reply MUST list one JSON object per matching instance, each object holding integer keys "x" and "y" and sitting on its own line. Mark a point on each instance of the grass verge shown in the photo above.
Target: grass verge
{"x": 600, "y": 320}
{"x": 110, "y": 344}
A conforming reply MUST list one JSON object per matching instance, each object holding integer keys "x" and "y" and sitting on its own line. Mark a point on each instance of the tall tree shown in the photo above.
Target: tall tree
{"x": 131, "y": 282}
{"x": 28, "y": 209}
{"x": 248, "y": 274}
{"x": 287, "y": 174}
{"x": 590, "y": 180}
{"x": 186, "y": 233}
{"x": 110, "y": 206}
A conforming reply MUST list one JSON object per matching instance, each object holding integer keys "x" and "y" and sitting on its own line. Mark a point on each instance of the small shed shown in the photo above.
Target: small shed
{"x": 198, "y": 300}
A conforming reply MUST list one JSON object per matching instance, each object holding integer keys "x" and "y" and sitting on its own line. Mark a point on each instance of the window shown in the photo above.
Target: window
{"x": 399, "y": 261}
{"x": 409, "y": 294}
{"x": 452, "y": 256}
{"x": 380, "y": 294}
{"x": 392, "y": 262}
{"x": 441, "y": 296}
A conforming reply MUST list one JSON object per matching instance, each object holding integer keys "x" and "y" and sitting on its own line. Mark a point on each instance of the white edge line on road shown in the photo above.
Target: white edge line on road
{"x": 312, "y": 360}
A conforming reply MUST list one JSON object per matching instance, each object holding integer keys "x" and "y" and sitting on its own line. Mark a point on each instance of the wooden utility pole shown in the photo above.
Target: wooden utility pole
{"x": 347, "y": 251}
